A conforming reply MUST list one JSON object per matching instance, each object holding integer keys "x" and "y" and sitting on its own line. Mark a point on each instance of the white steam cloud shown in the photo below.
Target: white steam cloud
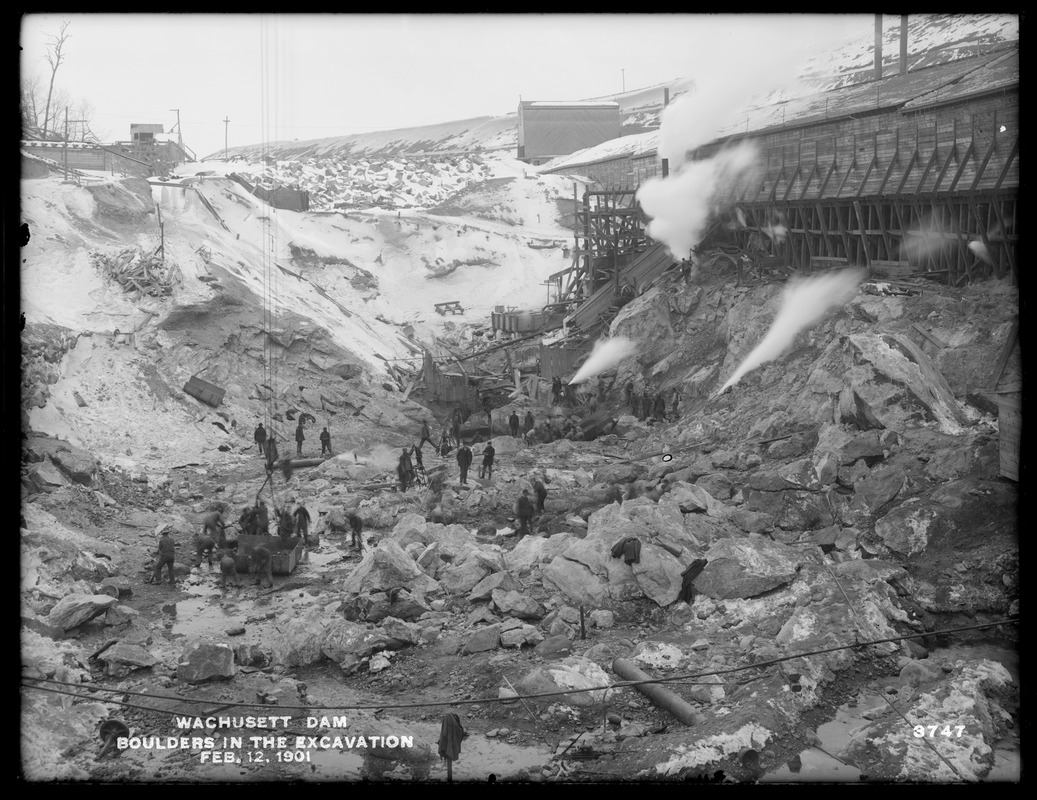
{"x": 604, "y": 356}
{"x": 803, "y": 304}
{"x": 681, "y": 205}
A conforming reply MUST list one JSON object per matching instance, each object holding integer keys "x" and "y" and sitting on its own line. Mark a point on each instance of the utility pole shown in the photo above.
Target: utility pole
{"x": 179, "y": 133}
{"x": 623, "y": 72}
{"x": 66, "y": 143}
{"x": 225, "y": 123}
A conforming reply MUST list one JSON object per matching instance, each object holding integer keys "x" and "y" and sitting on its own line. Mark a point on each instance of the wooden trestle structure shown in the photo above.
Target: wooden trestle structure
{"x": 915, "y": 174}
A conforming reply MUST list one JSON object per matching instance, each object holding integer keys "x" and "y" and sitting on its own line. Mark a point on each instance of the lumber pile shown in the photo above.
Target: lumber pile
{"x": 138, "y": 272}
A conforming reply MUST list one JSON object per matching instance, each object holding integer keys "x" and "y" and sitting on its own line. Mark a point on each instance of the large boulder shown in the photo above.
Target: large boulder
{"x": 881, "y": 486}
{"x": 576, "y": 581}
{"x": 464, "y": 577}
{"x": 484, "y": 589}
{"x": 298, "y": 642}
{"x": 570, "y": 673}
{"x": 385, "y": 567}
{"x": 74, "y": 463}
{"x": 75, "y": 609}
{"x": 533, "y": 550}
{"x": 905, "y": 530}
{"x": 646, "y": 320}
{"x": 483, "y": 639}
{"x": 515, "y": 604}
{"x": 658, "y": 573}
{"x": 121, "y": 659}
{"x": 747, "y": 567}
{"x": 346, "y": 642}
{"x": 203, "y": 661}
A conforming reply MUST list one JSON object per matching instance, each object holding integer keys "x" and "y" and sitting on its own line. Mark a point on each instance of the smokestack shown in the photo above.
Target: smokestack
{"x": 903, "y": 44}
{"x": 666, "y": 96}
{"x": 878, "y": 47}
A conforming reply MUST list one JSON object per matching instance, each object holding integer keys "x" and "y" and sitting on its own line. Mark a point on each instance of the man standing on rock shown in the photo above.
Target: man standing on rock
{"x": 299, "y": 439}
{"x": 513, "y": 424}
{"x": 524, "y": 512}
{"x": 260, "y": 437}
{"x": 528, "y": 424}
{"x": 228, "y": 569}
{"x": 426, "y": 434}
{"x": 541, "y": 493}
{"x": 262, "y": 564}
{"x": 486, "y": 470}
{"x": 325, "y": 442}
{"x": 302, "y": 523}
{"x": 356, "y": 525}
{"x": 166, "y": 557}
{"x": 464, "y": 460}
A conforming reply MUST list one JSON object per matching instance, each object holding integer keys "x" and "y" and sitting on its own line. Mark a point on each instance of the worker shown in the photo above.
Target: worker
{"x": 228, "y": 569}
{"x": 213, "y": 524}
{"x": 486, "y": 407}
{"x": 628, "y": 392}
{"x": 419, "y": 463}
{"x": 325, "y": 442}
{"x": 464, "y": 460}
{"x": 403, "y": 476}
{"x": 444, "y": 444}
{"x": 299, "y": 438}
{"x": 529, "y": 423}
{"x": 261, "y": 564}
{"x": 302, "y": 522}
{"x": 260, "y": 437}
{"x": 262, "y": 520}
{"x": 513, "y": 424}
{"x": 524, "y": 512}
{"x": 166, "y": 556}
{"x": 405, "y": 470}
{"x": 271, "y": 452}
{"x": 659, "y": 410}
{"x": 541, "y": 493}
{"x": 556, "y": 389}
{"x": 457, "y": 429}
{"x": 247, "y": 521}
{"x": 426, "y": 434}
{"x": 203, "y": 545}
{"x": 486, "y": 469}
{"x": 356, "y": 525}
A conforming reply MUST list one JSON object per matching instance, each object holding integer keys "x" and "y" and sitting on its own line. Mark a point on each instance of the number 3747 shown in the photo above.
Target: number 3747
{"x": 932, "y": 731}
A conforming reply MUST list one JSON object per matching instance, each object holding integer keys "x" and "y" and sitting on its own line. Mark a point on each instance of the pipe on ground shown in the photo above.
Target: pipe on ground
{"x": 658, "y": 694}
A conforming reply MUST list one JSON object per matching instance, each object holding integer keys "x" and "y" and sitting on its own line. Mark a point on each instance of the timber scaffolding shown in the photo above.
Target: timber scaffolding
{"x": 911, "y": 175}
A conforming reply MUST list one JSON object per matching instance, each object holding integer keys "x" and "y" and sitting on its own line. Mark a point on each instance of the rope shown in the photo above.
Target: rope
{"x": 613, "y": 686}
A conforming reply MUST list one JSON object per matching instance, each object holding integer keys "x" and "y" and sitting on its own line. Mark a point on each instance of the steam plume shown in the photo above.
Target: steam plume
{"x": 604, "y": 356}
{"x": 803, "y": 304}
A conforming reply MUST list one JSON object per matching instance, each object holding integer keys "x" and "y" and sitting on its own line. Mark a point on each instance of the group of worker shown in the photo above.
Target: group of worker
{"x": 643, "y": 405}
{"x": 266, "y": 441}
{"x": 525, "y": 509}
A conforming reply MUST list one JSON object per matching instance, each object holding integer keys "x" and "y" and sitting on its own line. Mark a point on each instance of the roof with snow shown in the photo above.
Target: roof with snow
{"x": 567, "y": 104}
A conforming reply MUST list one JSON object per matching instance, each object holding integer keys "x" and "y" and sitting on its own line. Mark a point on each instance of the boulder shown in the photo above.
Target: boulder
{"x": 905, "y": 529}
{"x": 881, "y": 486}
{"x": 603, "y": 619}
{"x": 386, "y": 566}
{"x": 484, "y": 589}
{"x": 533, "y": 550}
{"x": 121, "y": 585}
{"x": 750, "y": 521}
{"x": 740, "y": 568}
{"x": 717, "y": 484}
{"x": 346, "y": 643}
{"x": 515, "y": 604}
{"x": 870, "y": 570}
{"x": 520, "y": 636}
{"x": 401, "y": 631}
{"x": 298, "y": 642}
{"x": 121, "y": 659}
{"x": 75, "y": 609}
{"x": 658, "y": 573}
{"x": 204, "y": 660}
{"x": 487, "y": 638}
{"x": 120, "y": 615}
{"x": 554, "y": 647}
{"x": 463, "y": 578}
{"x": 690, "y": 497}
{"x": 575, "y": 581}
{"x": 570, "y": 673}
{"x": 45, "y": 477}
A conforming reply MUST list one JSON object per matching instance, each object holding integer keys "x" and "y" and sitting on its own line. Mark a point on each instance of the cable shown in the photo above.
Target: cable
{"x": 610, "y": 687}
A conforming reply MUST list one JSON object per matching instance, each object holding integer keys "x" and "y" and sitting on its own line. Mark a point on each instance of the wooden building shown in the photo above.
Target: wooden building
{"x": 549, "y": 129}
{"x": 911, "y": 173}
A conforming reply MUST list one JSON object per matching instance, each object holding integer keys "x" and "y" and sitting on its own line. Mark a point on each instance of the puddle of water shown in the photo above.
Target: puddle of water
{"x": 333, "y": 765}
{"x": 816, "y": 766}
{"x": 481, "y": 757}
{"x": 1008, "y": 763}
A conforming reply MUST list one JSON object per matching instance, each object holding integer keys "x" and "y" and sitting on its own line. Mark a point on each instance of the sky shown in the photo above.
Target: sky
{"x": 284, "y": 77}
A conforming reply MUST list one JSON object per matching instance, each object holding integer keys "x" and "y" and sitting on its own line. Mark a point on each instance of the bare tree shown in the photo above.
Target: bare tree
{"x": 54, "y": 58}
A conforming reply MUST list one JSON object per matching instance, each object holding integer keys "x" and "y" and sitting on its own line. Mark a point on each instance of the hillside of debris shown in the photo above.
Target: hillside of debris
{"x": 847, "y": 492}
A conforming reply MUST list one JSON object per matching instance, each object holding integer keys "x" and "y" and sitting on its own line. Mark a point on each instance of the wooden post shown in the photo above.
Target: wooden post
{"x": 449, "y": 770}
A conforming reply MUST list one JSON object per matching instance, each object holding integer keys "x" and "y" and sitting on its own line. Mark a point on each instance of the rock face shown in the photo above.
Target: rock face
{"x": 905, "y": 529}
{"x": 503, "y": 581}
{"x": 202, "y": 661}
{"x": 300, "y": 639}
{"x": 387, "y": 566}
{"x": 75, "y": 609}
{"x": 74, "y": 463}
{"x": 658, "y": 573}
{"x": 740, "y": 568}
